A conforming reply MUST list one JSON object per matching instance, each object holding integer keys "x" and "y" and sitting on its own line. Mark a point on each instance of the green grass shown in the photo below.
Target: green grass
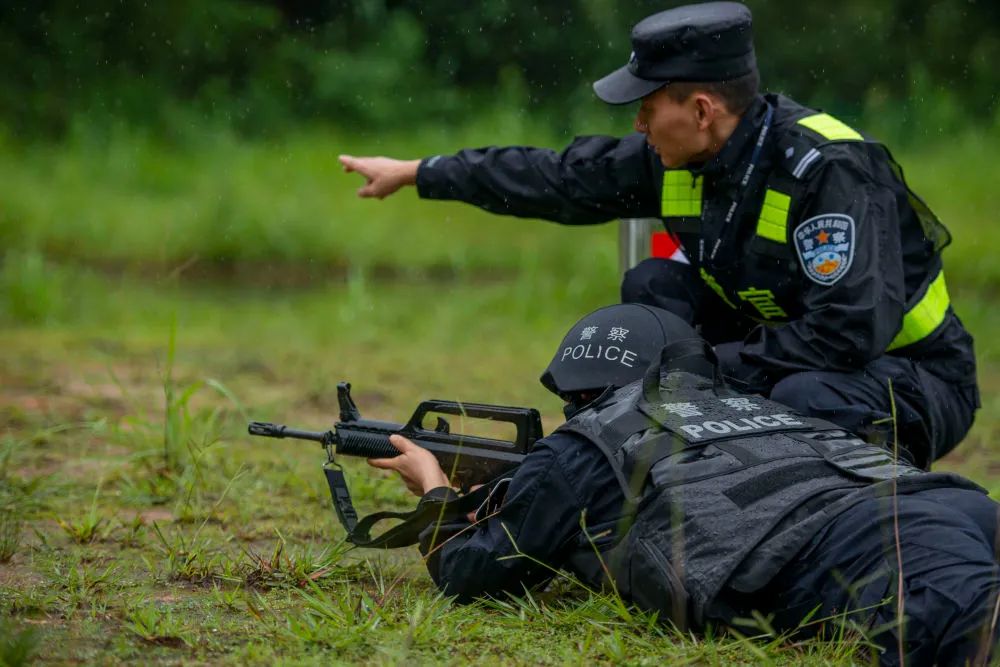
{"x": 227, "y": 207}
{"x": 153, "y": 298}
{"x": 227, "y": 550}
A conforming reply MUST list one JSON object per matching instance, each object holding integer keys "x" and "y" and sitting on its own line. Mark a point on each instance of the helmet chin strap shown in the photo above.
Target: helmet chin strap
{"x": 574, "y": 406}
{"x": 691, "y": 355}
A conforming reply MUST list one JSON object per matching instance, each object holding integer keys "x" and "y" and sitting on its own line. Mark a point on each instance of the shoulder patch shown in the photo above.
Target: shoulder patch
{"x": 825, "y": 246}
{"x": 801, "y": 167}
{"x": 799, "y": 154}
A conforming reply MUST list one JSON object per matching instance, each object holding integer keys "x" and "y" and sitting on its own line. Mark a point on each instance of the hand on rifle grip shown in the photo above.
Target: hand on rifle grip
{"x": 418, "y": 468}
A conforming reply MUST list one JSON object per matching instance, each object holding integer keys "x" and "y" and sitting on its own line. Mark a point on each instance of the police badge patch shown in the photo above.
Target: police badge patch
{"x": 825, "y": 245}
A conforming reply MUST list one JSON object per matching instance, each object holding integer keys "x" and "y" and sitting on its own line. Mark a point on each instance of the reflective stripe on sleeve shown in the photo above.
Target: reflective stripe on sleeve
{"x": 773, "y": 221}
{"x": 926, "y": 316}
{"x": 830, "y": 128}
{"x": 681, "y": 194}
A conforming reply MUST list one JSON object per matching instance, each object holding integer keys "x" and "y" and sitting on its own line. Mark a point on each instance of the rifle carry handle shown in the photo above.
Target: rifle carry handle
{"x": 527, "y": 420}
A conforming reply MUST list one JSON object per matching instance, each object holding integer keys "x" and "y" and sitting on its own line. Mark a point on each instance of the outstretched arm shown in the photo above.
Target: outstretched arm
{"x": 595, "y": 179}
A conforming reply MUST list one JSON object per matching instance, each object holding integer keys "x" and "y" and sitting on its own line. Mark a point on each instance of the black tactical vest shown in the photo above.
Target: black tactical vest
{"x": 708, "y": 474}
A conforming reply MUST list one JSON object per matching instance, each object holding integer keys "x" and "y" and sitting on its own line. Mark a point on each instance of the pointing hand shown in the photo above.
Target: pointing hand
{"x": 383, "y": 175}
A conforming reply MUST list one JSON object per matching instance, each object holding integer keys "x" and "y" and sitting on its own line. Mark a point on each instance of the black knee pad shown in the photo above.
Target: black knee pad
{"x": 663, "y": 283}
{"x": 817, "y": 394}
{"x": 802, "y": 391}
{"x": 641, "y": 279}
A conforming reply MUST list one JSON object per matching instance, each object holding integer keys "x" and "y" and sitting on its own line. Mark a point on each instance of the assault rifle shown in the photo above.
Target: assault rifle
{"x": 467, "y": 459}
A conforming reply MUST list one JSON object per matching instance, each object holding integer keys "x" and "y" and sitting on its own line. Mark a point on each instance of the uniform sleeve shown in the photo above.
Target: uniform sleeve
{"x": 594, "y": 180}
{"x": 540, "y": 514}
{"x": 850, "y": 321}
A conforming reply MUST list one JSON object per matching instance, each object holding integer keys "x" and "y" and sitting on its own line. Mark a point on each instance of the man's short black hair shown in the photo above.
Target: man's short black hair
{"x": 736, "y": 94}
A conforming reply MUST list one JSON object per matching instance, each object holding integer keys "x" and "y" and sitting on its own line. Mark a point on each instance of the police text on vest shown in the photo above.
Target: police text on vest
{"x": 742, "y": 424}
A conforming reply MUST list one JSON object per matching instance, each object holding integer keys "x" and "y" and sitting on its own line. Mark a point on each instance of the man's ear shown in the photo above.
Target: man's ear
{"x": 705, "y": 109}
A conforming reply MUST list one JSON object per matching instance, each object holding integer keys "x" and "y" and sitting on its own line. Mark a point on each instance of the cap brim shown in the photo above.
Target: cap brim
{"x": 622, "y": 87}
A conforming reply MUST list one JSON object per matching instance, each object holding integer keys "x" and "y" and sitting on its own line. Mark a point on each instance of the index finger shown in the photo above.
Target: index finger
{"x": 402, "y": 443}
{"x": 350, "y": 163}
{"x": 385, "y": 464}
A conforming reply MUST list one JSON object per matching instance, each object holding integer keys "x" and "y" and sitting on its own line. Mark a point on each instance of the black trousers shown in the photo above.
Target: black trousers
{"x": 932, "y": 415}
{"x": 848, "y": 576}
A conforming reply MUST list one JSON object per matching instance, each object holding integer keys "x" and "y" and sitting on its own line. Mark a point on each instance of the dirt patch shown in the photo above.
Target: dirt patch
{"x": 36, "y": 621}
{"x": 81, "y": 469}
{"x": 43, "y": 468}
{"x": 33, "y": 409}
{"x": 18, "y": 575}
{"x": 159, "y": 515}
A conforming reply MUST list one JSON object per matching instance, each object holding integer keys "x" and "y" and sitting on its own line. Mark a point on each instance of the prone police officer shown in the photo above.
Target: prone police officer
{"x": 812, "y": 267}
{"x": 704, "y": 504}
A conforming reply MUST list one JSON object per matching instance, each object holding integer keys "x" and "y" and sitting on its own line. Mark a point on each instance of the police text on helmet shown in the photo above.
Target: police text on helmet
{"x": 610, "y": 352}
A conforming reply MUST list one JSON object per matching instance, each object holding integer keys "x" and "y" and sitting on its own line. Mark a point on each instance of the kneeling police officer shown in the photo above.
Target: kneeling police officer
{"x": 706, "y": 503}
{"x": 812, "y": 267}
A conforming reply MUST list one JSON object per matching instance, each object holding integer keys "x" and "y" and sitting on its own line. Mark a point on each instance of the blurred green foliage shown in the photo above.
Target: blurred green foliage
{"x": 30, "y": 290}
{"x": 262, "y": 65}
{"x": 273, "y": 213}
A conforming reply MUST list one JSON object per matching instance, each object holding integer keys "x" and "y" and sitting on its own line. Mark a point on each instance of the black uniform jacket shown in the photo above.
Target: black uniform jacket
{"x": 564, "y": 501}
{"x": 808, "y": 325}
{"x": 539, "y": 521}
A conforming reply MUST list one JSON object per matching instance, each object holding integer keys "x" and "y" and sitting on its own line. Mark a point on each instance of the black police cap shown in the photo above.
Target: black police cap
{"x": 612, "y": 346}
{"x": 712, "y": 41}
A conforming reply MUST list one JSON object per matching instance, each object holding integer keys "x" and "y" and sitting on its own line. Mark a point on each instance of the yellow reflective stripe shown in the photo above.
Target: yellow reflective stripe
{"x": 681, "y": 194}
{"x": 830, "y": 128}
{"x": 716, "y": 287}
{"x": 921, "y": 320}
{"x": 773, "y": 221}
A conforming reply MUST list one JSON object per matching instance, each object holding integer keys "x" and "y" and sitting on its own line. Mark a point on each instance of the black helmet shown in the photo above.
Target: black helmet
{"x": 612, "y": 346}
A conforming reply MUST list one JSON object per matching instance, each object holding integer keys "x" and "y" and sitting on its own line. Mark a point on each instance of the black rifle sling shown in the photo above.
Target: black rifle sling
{"x": 429, "y": 511}
{"x": 341, "y": 497}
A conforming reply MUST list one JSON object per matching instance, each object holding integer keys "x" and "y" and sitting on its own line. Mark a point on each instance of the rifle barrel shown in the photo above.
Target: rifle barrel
{"x": 269, "y": 430}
